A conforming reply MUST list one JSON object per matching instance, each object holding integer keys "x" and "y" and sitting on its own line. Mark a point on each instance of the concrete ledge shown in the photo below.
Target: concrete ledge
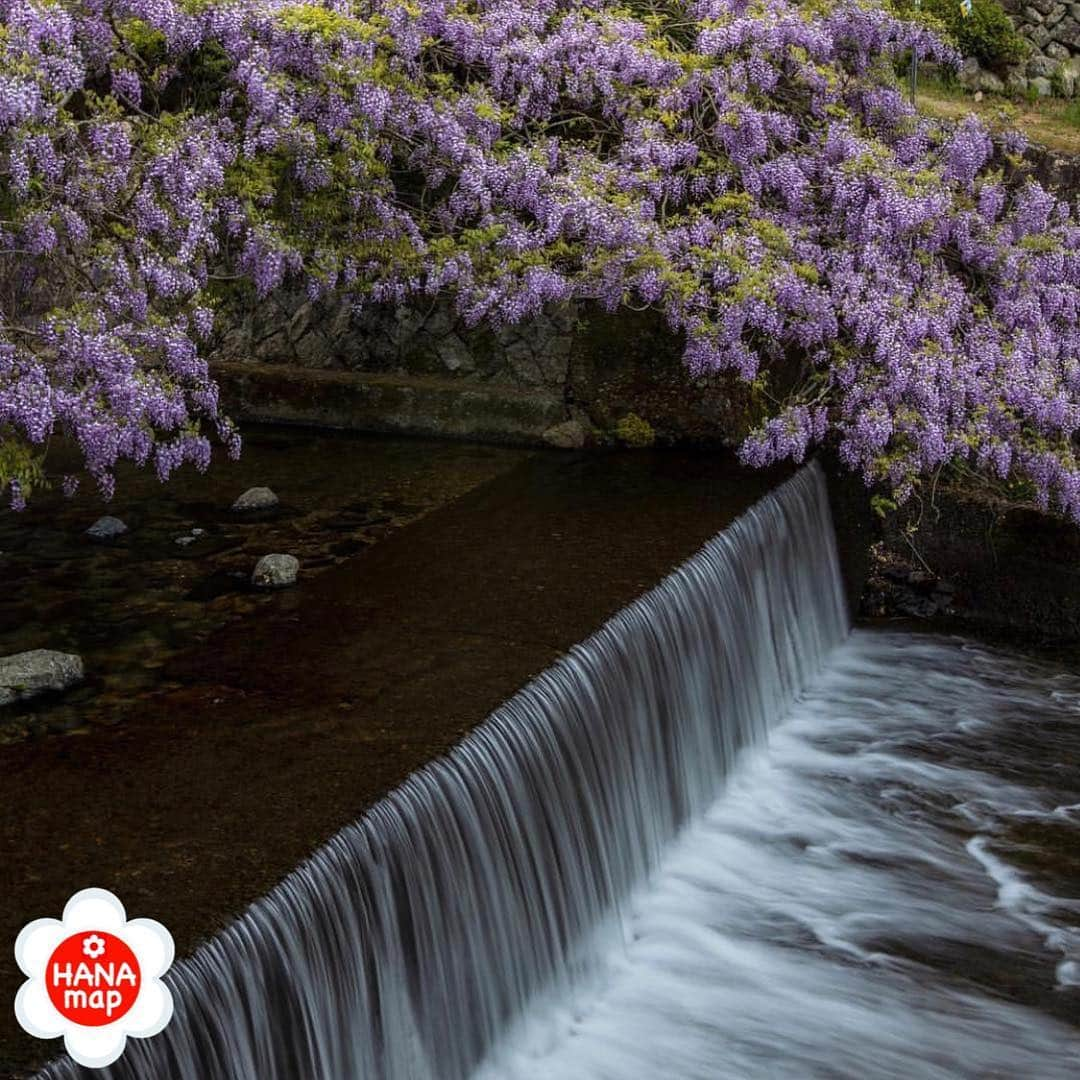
{"x": 282, "y": 728}
{"x": 397, "y": 404}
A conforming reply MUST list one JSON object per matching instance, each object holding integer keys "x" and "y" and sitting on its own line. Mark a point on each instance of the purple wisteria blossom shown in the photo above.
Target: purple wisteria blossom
{"x": 749, "y": 169}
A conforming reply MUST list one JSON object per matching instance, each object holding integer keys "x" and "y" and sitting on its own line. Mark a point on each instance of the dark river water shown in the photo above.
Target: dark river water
{"x": 129, "y": 605}
{"x": 722, "y": 839}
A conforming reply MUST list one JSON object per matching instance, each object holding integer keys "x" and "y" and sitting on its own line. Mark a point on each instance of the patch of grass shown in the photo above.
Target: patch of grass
{"x": 1071, "y": 113}
{"x": 1051, "y": 122}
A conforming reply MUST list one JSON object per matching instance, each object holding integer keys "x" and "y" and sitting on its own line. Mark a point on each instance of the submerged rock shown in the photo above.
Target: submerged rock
{"x": 106, "y": 528}
{"x": 27, "y": 674}
{"x": 256, "y": 498}
{"x": 190, "y": 538}
{"x": 276, "y": 571}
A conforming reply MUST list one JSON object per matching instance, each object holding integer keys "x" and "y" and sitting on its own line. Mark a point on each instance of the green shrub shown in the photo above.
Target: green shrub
{"x": 633, "y": 431}
{"x": 1058, "y": 83}
{"x": 987, "y": 33}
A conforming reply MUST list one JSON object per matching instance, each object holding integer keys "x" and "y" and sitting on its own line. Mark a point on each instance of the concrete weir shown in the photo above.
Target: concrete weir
{"x": 283, "y": 729}
{"x": 389, "y": 403}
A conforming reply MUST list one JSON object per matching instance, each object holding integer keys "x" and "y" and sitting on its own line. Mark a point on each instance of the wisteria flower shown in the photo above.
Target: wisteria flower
{"x": 886, "y": 283}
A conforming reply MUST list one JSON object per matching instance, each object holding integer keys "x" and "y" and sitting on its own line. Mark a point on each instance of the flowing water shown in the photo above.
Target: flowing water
{"x": 853, "y": 904}
{"x": 721, "y": 838}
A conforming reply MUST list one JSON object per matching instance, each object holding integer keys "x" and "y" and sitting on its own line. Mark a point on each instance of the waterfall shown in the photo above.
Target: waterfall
{"x": 407, "y": 945}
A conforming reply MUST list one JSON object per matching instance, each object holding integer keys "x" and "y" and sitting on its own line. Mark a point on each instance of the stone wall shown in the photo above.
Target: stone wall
{"x": 1052, "y": 29}
{"x": 574, "y": 369}
{"x": 1055, "y": 170}
{"x": 288, "y": 328}
{"x": 1007, "y": 569}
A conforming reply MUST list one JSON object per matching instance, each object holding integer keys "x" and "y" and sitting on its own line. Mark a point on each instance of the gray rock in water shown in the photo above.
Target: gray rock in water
{"x": 256, "y": 498}
{"x": 275, "y": 571}
{"x": 27, "y": 674}
{"x": 106, "y": 528}
{"x": 190, "y": 538}
{"x": 567, "y": 436}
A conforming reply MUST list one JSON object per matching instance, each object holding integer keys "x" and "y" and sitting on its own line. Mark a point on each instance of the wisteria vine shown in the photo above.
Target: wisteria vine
{"x": 749, "y": 168}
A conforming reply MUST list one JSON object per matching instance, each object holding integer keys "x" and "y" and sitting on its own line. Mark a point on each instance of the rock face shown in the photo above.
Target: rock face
{"x": 27, "y": 674}
{"x": 275, "y": 571}
{"x": 106, "y": 528}
{"x": 422, "y": 371}
{"x": 1006, "y": 567}
{"x": 1053, "y": 31}
{"x": 567, "y": 436}
{"x": 256, "y": 498}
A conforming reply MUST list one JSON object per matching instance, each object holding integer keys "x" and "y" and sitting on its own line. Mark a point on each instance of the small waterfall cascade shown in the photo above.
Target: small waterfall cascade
{"x": 406, "y": 947}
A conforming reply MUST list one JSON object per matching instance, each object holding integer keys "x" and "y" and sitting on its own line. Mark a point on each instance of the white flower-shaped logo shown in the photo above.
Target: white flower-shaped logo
{"x": 94, "y": 977}
{"x": 93, "y": 946}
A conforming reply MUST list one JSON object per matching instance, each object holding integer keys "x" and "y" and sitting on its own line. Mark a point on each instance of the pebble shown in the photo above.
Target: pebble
{"x": 256, "y": 498}
{"x": 106, "y": 528}
{"x": 27, "y": 674}
{"x": 275, "y": 571}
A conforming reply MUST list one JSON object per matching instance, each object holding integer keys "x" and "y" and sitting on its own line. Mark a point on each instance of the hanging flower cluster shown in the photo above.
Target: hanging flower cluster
{"x": 749, "y": 168}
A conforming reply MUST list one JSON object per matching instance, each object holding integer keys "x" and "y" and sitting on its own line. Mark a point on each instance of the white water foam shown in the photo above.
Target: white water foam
{"x": 848, "y": 908}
